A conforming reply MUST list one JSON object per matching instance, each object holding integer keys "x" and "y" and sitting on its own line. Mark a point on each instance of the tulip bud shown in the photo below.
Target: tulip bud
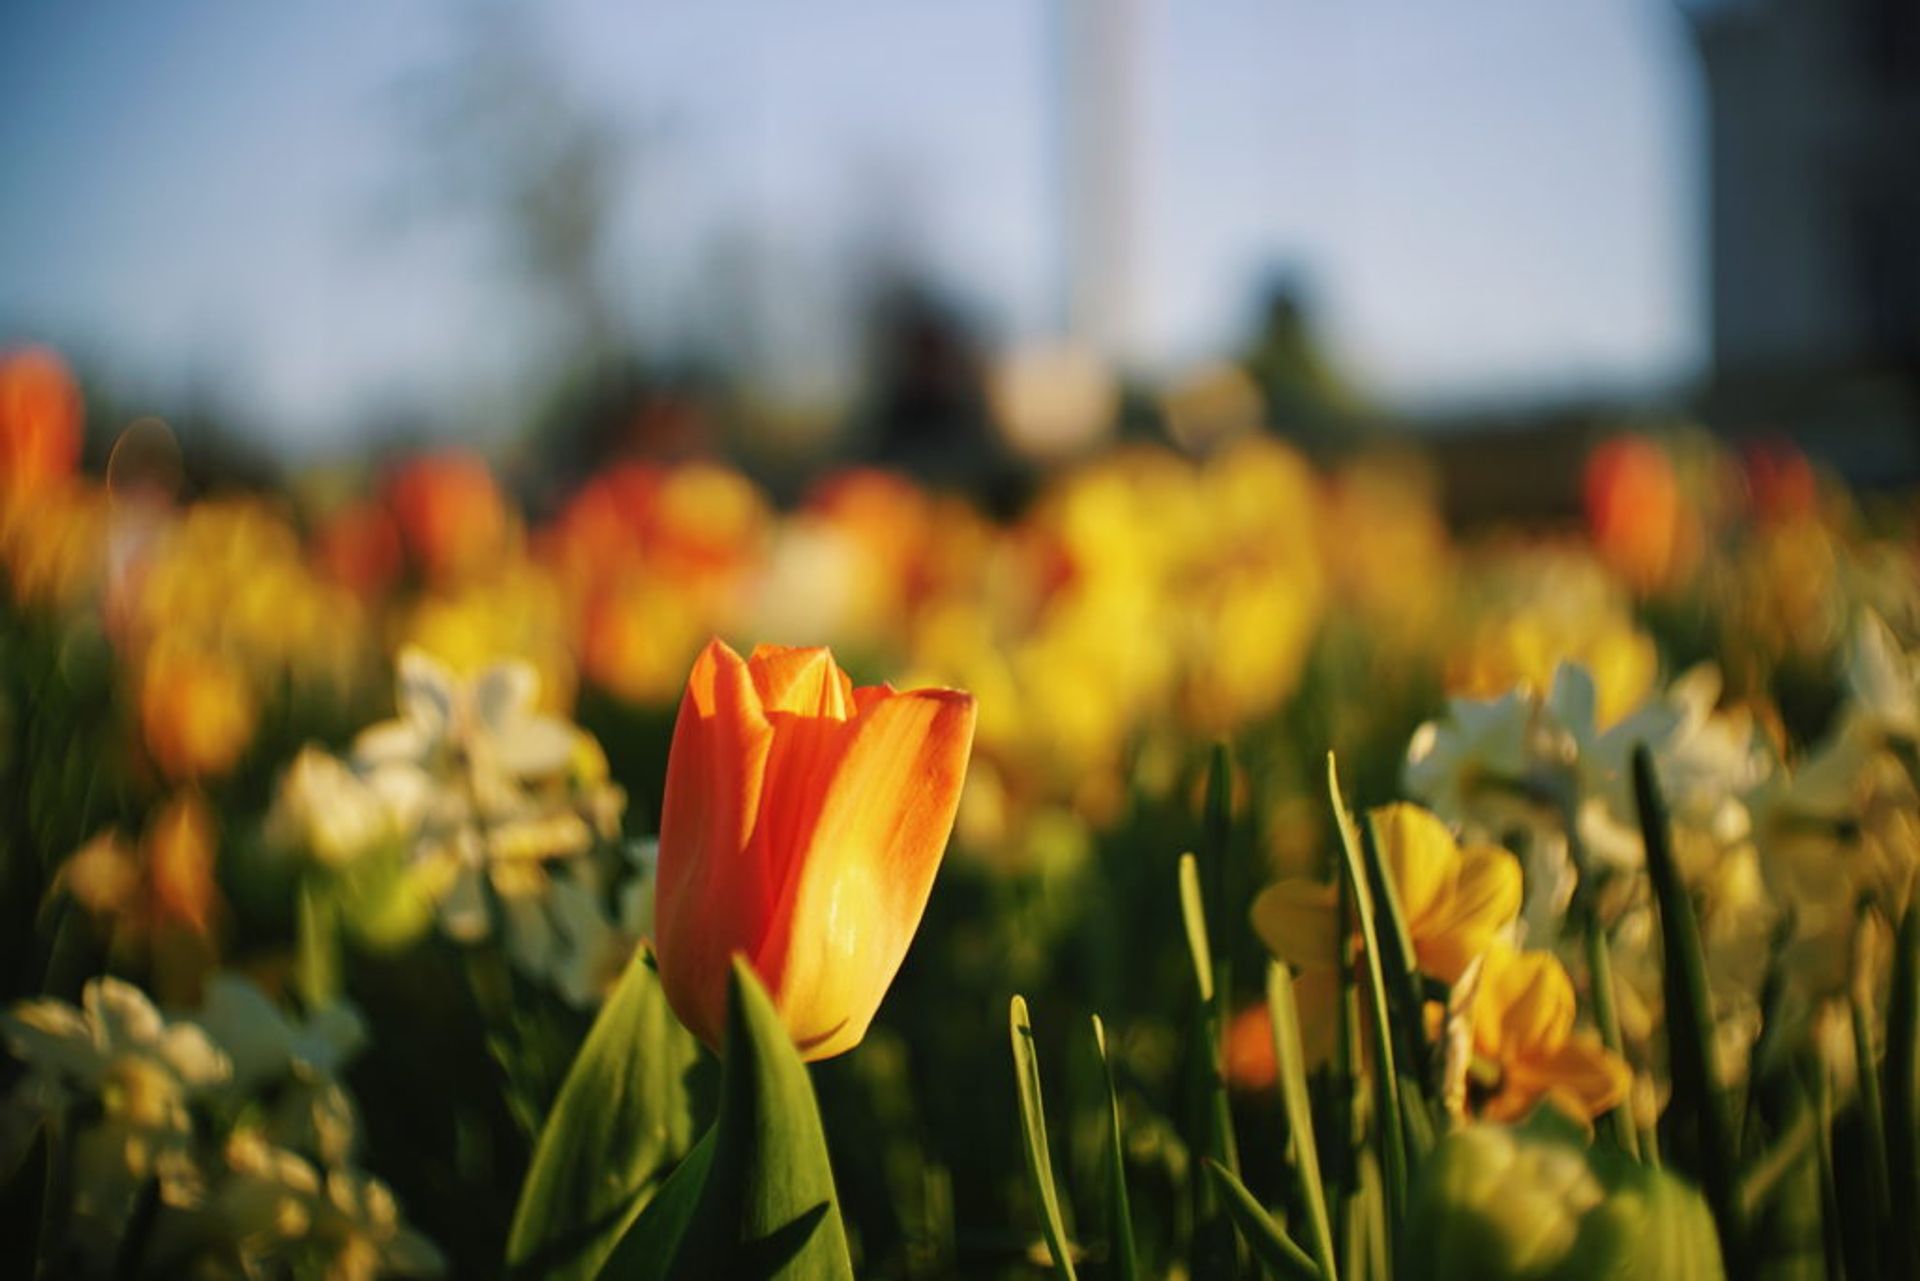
{"x": 1652, "y": 1225}
{"x": 802, "y": 826}
{"x": 1501, "y": 1204}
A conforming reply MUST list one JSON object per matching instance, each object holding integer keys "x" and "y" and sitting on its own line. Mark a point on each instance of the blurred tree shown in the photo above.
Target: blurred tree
{"x": 1304, "y": 392}
{"x": 496, "y": 132}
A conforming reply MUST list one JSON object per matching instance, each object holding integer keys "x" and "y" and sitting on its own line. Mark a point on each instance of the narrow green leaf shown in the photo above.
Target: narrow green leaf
{"x": 1193, "y": 914}
{"x": 1033, "y": 1127}
{"x": 1284, "y": 1013}
{"x": 316, "y": 944}
{"x": 1275, "y": 1250}
{"x": 768, "y": 1207}
{"x": 1901, "y": 1093}
{"x": 1390, "y": 1126}
{"x": 1218, "y": 851}
{"x": 1860, "y": 1005}
{"x": 1405, "y": 997}
{"x": 1214, "y": 1249}
{"x": 620, "y": 1122}
{"x": 1396, "y": 941}
{"x": 1689, "y": 1019}
{"x": 1585, "y": 920}
{"x": 1125, "y": 1263}
{"x": 1764, "y": 1178}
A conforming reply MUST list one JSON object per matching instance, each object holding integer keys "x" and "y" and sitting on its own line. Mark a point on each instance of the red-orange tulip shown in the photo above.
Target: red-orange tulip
{"x": 803, "y": 824}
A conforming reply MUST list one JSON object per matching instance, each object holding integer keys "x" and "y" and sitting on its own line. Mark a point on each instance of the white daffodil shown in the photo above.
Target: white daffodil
{"x": 357, "y": 1225}
{"x": 498, "y": 792}
{"x": 486, "y": 731}
{"x": 1882, "y": 679}
{"x": 1705, "y": 760}
{"x": 277, "y": 1212}
{"x": 330, "y": 813}
{"x": 595, "y": 949}
{"x": 119, "y": 1054}
{"x": 266, "y": 1045}
{"x": 1480, "y": 741}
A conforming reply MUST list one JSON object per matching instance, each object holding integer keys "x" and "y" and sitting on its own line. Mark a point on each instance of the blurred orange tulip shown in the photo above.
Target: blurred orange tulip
{"x": 451, "y": 514}
{"x": 39, "y": 420}
{"x": 358, "y": 546}
{"x": 803, "y": 823}
{"x": 1636, "y": 512}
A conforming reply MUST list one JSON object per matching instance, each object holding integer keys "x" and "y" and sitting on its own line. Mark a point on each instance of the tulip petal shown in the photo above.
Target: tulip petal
{"x": 804, "y": 681}
{"x": 862, "y": 879}
{"x": 712, "y": 897}
{"x": 1298, "y": 920}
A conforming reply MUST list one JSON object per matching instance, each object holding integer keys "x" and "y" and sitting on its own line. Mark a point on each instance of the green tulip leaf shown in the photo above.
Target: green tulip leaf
{"x": 648, "y": 1250}
{"x": 767, "y": 1207}
{"x": 621, "y": 1121}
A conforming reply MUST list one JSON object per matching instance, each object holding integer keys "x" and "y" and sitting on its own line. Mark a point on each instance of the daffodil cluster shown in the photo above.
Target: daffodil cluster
{"x": 498, "y": 817}
{"x": 220, "y": 1144}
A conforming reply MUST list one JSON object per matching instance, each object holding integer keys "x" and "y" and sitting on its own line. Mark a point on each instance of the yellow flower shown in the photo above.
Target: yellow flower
{"x": 1457, "y": 901}
{"x": 1523, "y": 1027}
{"x": 197, "y": 711}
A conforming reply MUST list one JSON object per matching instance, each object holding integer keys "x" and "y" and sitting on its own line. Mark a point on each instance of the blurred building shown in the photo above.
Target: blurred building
{"x": 1098, "y": 102}
{"x": 1813, "y": 119}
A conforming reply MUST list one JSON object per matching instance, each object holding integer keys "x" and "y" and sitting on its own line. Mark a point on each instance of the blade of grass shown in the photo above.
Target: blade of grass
{"x": 1586, "y": 920}
{"x": 1193, "y": 912}
{"x": 1272, "y": 1246}
{"x": 1284, "y": 1014}
{"x": 1860, "y": 1005}
{"x": 1215, "y": 1249}
{"x": 1764, "y": 1177}
{"x": 1033, "y": 1127}
{"x": 1689, "y": 1019}
{"x": 1406, "y": 999}
{"x": 1389, "y": 1127}
{"x": 1902, "y": 1092}
{"x": 1125, "y": 1263}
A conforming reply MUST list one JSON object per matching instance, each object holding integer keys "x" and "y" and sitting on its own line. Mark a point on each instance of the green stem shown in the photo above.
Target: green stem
{"x": 1599, "y": 960}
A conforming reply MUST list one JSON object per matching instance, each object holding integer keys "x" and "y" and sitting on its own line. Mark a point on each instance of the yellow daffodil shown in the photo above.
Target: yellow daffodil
{"x": 1523, "y": 1030}
{"x": 1457, "y": 901}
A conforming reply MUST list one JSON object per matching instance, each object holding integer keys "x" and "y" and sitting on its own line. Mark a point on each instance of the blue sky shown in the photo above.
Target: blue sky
{"x": 1497, "y": 198}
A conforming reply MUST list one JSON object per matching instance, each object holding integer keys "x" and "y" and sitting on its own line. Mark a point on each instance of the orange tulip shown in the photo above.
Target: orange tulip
{"x": 452, "y": 516}
{"x": 40, "y": 420}
{"x": 803, "y": 823}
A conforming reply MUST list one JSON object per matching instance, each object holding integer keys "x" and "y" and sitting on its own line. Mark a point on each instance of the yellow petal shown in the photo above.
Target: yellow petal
{"x": 1298, "y": 920}
{"x": 1484, "y": 901}
{"x": 1422, "y": 857}
{"x": 1525, "y": 1005}
{"x": 1581, "y": 1073}
{"x": 861, "y": 882}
